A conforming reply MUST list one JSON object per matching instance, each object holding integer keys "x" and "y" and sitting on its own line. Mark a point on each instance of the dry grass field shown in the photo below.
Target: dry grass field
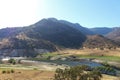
{"x": 36, "y": 75}
{"x": 27, "y": 75}
{"x": 106, "y": 52}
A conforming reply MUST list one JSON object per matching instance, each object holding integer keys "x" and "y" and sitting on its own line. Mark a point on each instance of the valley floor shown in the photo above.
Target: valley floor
{"x": 42, "y": 68}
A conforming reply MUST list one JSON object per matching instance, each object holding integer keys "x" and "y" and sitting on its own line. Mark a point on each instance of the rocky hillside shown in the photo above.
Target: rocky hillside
{"x": 10, "y": 32}
{"x": 24, "y": 46}
{"x": 100, "y": 42}
{"x": 114, "y": 35}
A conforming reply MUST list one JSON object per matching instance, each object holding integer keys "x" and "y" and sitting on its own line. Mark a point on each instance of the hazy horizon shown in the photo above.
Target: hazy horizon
{"x": 88, "y": 13}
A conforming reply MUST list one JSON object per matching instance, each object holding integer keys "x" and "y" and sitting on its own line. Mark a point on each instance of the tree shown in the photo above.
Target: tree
{"x": 76, "y": 73}
{"x": 12, "y": 61}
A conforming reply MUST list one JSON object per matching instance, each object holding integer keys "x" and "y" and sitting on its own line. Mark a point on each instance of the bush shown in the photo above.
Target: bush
{"x": 3, "y": 71}
{"x": 35, "y": 69}
{"x": 76, "y": 73}
{"x": 12, "y": 71}
{"x": 8, "y": 71}
{"x": 12, "y": 61}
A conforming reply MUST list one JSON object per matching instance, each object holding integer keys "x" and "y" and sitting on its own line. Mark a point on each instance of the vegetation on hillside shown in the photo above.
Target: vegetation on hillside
{"x": 99, "y": 42}
{"x": 114, "y": 35}
{"x": 58, "y": 33}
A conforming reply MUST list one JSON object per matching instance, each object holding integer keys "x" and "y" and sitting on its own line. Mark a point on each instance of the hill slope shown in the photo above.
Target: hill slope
{"x": 58, "y": 33}
{"x": 114, "y": 35}
{"x": 24, "y": 46}
{"x": 10, "y": 32}
{"x": 98, "y": 41}
{"x": 77, "y": 26}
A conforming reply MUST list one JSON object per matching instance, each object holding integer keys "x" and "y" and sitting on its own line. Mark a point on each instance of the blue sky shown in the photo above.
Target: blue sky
{"x": 88, "y": 13}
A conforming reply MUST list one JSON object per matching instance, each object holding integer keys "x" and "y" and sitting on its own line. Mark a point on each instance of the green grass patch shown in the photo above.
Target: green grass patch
{"x": 50, "y": 54}
{"x": 45, "y": 56}
{"x": 106, "y": 58}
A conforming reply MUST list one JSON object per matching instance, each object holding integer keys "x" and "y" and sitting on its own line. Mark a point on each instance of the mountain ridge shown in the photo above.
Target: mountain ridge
{"x": 50, "y": 35}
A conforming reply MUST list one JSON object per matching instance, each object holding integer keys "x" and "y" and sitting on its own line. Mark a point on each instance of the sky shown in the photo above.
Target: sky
{"x": 88, "y": 13}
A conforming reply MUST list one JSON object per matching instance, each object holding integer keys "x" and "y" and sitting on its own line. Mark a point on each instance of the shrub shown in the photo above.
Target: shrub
{"x": 12, "y": 71}
{"x": 3, "y": 71}
{"x": 76, "y": 73}
{"x": 8, "y": 71}
{"x": 35, "y": 69}
{"x": 12, "y": 61}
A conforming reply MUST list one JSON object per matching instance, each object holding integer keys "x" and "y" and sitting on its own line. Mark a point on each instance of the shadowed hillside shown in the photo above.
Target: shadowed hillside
{"x": 58, "y": 33}
{"x": 77, "y": 26}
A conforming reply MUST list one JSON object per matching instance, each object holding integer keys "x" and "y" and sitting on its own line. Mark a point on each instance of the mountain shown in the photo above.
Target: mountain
{"x": 100, "y": 42}
{"x": 50, "y": 29}
{"x": 56, "y": 32}
{"x": 102, "y": 30}
{"x": 50, "y": 34}
{"x": 44, "y": 36}
{"x": 114, "y": 35}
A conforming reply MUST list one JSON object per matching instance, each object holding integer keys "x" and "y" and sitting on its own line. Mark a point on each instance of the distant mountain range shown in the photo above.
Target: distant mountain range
{"x": 102, "y": 30}
{"x": 51, "y": 35}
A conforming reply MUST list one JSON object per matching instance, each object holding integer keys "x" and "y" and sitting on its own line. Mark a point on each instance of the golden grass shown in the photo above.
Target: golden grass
{"x": 108, "y": 77}
{"x": 37, "y": 75}
{"x": 27, "y": 75}
{"x": 92, "y": 52}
